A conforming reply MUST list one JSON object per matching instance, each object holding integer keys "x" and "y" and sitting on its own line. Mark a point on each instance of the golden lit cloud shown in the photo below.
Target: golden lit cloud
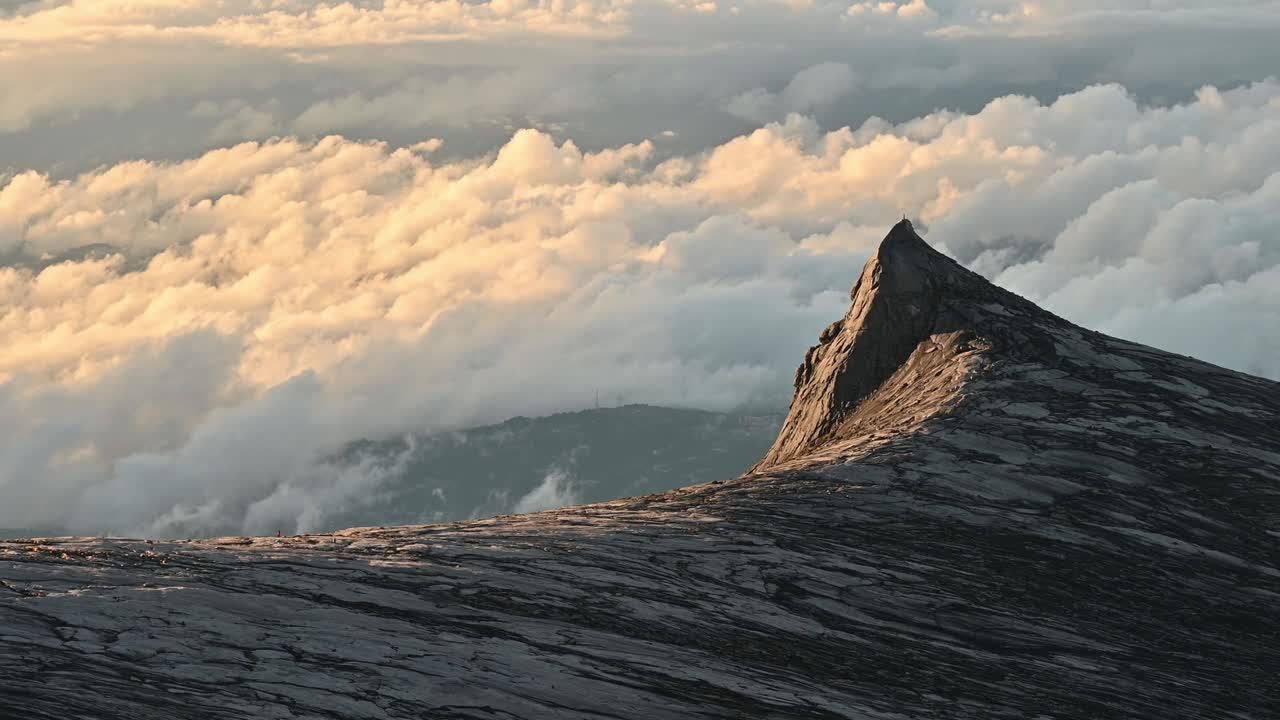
{"x": 158, "y": 317}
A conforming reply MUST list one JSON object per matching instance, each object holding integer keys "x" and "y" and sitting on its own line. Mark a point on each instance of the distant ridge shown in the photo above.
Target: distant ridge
{"x": 601, "y": 453}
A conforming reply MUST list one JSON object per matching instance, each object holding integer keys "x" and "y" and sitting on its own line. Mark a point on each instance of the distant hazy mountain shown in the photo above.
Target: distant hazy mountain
{"x": 527, "y": 464}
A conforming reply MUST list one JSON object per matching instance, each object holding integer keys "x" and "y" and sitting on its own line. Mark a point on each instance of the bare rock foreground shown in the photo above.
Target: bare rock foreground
{"x": 975, "y": 510}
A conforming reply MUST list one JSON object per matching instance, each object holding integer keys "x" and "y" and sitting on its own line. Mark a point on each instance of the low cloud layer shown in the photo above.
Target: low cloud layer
{"x": 182, "y": 343}
{"x": 90, "y": 82}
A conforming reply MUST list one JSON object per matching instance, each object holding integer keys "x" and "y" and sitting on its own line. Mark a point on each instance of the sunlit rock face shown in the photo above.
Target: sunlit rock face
{"x": 975, "y": 510}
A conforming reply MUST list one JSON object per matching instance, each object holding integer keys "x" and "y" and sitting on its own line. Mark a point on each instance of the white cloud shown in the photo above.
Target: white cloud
{"x": 238, "y": 121}
{"x": 295, "y": 24}
{"x": 914, "y": 10}
{"x": 62, "y": 59}
{"x": 456, "y": 100}
{"x": 274, "y": 300}
{"x": 555, "y": 491}
{"x": 812, "y": 88}
{"x": 118, "y": 77}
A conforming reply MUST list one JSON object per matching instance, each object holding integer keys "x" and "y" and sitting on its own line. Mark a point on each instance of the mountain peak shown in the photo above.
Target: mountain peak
{"x": 918, "y": 324}
{"x": 905, "y": 264}
{"x": 902, "y": 234}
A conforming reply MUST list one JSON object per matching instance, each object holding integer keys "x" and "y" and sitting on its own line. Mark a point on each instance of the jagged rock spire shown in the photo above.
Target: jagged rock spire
{"x": 883, "y": 358}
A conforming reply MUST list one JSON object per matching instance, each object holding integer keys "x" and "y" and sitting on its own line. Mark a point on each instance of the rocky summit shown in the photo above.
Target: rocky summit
{"x": 975, "y": 509}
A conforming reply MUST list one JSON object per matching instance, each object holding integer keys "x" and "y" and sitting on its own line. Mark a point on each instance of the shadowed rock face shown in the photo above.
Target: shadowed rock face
{"x": 974, "y": 510}
{"x": 904, "y": 349}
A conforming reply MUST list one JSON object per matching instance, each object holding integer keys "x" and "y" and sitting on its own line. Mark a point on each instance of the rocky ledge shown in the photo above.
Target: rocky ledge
{"x": 974, "y": 510}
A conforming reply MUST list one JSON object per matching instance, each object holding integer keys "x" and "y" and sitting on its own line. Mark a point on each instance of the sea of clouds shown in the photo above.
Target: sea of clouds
{"x": 366, "y": 219}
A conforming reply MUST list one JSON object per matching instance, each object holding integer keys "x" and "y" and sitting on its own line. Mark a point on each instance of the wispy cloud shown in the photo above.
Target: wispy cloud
{"x": 555, "y": 491}
{"x": 121, "y": 78}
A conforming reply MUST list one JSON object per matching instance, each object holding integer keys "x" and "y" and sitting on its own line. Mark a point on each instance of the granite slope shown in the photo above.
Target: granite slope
{"x": 975, "y": 509}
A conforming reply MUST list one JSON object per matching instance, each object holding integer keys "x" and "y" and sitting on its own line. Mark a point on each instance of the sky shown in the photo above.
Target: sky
{"x": 238, "y": 234}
